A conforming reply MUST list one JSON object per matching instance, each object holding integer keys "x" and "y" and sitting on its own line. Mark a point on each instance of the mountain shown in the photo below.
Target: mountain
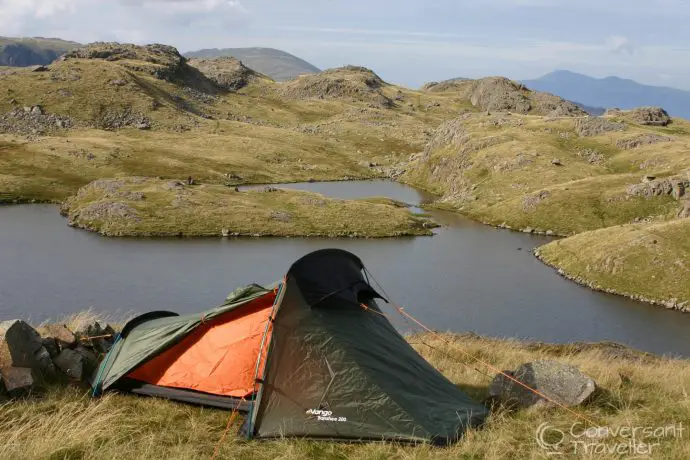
{"x": 612, "y": 92}
{"x": 277, "y": 64}
{"x": 24, "y": 51}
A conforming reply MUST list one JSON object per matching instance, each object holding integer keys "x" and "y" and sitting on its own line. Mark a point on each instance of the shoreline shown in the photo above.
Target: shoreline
{"x": 667, "y": 304}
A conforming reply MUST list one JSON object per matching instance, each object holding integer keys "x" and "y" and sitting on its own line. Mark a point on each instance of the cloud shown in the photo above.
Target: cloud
{"x": 619, "y": 44}
{"x": 15, "y": 13}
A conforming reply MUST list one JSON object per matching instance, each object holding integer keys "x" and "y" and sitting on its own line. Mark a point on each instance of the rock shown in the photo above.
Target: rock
{"x": 143, "y": 125}
{"x": 269, "y": 189}
{"x": 674, "y": 186}
{"x": 634, "y": 142}
{"x": 530, "y": 202}
{"x": 550, "y": 233}
{"x": 62, "y": 335}
{"x": 561, "y": 382}
{"x": 651, "y": 116}
{"x": 37, "y": 110}
{"x": 593, "y": 126}
{"x": 96, "y": 336}
{"x": 71, "y": 363}
{"x": 90, "y": 363}
{"x": 40, "y": 68}
{"x": 17, "y": 380}
{"x": 51, "y": 346}
{"x": 61, "y": 124}
{"x": 684, "y": 209}
{"x": 556, "y": 162}
{"x": 281, "y": 216}
{"x": 118, "y": 82}
{"x": 648, "y": 178}
{"x": 22, "y": 346}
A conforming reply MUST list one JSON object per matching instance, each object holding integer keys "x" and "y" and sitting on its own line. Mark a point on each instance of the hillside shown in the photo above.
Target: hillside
{"x": 612, "y": 92}
{"x": 23, "y": 52}
{"x": 491, "y": 148}
{"x": 277, "y": 64}
{"x": 556, "y": 175}
{"x": 646, "y": 261}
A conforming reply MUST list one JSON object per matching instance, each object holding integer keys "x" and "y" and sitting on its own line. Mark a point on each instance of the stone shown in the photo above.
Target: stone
{"x": 51, "y": 346}
{"x": 62, "y": 335}
{"x": 22, "y": 346}
{"x": 143, "y": 125}
{"x": 684, "y": 210}
{"x": 100, "y": 344}
{"x": 40, "y": 68}
{"x": 90, "y": 363}
{"x": 37, "y": 110}
{"x": 71, "y": 363}
{"x": 556, "y": 162}
{"x": 650, "y": 116}
{"x": 648, "y": 178}
{"x": 17, "y": 380}
{"x": 118, "y": 82}
{"x": 561, "y": 382}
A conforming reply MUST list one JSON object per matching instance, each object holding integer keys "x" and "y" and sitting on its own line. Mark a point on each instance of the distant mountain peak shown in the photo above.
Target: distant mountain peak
{"x": 277, "y": 64}
{"x": 612, "y": 91}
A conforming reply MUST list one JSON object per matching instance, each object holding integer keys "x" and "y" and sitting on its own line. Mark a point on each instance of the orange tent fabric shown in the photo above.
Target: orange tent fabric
{"x": 218, "y": 357}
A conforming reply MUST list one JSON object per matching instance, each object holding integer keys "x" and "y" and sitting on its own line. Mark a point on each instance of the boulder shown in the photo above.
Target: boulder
{"x": 62, "y": 335}
{"x": 90, "y": 363}
{"x": 71, "y": 363}
{"x": 22, "y": 346}
{"x": 104, "y": 336}
{"x": 651, "y": 116}
{"x": 51, "y": 346}
{"x": 684, "y": 209}
{"x": 560, "y": 382}
{"x": 17, "y": 380}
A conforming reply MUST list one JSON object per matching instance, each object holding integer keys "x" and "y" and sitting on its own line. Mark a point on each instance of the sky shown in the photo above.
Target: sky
{"x": 408, "y": 42}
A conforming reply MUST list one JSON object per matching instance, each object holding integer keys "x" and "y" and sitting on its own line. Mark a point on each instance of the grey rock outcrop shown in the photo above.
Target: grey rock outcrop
{"x": 651, "y": 116}
{"x": 594, "y": 126}
{"x": 560, "y": 382}
{"x": 71, "y": 363}
{"x": 16, "y": 380}
{"x": 674, "y": 186}
{"x": 22, "y": 346}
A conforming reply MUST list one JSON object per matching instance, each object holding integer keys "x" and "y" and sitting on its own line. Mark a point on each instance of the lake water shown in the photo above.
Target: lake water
{"x": 467, "y": 277}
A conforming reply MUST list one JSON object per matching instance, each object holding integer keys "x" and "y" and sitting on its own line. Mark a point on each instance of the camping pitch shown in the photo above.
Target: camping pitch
{"x": 307, "y": 357}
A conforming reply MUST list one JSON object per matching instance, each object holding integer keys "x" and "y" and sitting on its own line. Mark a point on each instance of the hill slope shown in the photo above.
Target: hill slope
{"x": 277, "y": 64}
{"x": 612, "y": 92}
{"x": 23, "y": 52}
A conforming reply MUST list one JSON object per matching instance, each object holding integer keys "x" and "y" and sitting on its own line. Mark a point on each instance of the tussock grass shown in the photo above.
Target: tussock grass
{"x": 636, "y": 389}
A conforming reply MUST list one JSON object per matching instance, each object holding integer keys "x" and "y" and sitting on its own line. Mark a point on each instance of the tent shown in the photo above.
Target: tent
{"x": 302, "y": 358}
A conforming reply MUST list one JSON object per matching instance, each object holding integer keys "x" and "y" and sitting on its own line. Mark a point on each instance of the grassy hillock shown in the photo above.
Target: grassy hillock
{"x": 140, "y": 206}
{"x": 566, "y": 175}
{"x": 128, "y": 110}
{"x": 635, "y": 389}
{"x": 650, "y": 261}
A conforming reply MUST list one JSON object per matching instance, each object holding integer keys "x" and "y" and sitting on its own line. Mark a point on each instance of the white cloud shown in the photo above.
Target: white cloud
{"x": 619, "y": 44}
{"x": 15, "y": 13}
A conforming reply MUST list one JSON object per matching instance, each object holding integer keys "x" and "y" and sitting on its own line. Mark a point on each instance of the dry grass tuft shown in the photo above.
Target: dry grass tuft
{"x": 636, "y": 389}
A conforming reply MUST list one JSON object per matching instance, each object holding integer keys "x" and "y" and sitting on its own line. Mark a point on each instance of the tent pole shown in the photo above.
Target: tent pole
{"x": 257, "y": 394}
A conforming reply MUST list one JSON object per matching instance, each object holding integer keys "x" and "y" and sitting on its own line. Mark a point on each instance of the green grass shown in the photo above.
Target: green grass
{"x": 152, "y": 207}
{"x": 494, "y": 171}
{"x": 649, "y": 261}
{"x": 634, "y": 390}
